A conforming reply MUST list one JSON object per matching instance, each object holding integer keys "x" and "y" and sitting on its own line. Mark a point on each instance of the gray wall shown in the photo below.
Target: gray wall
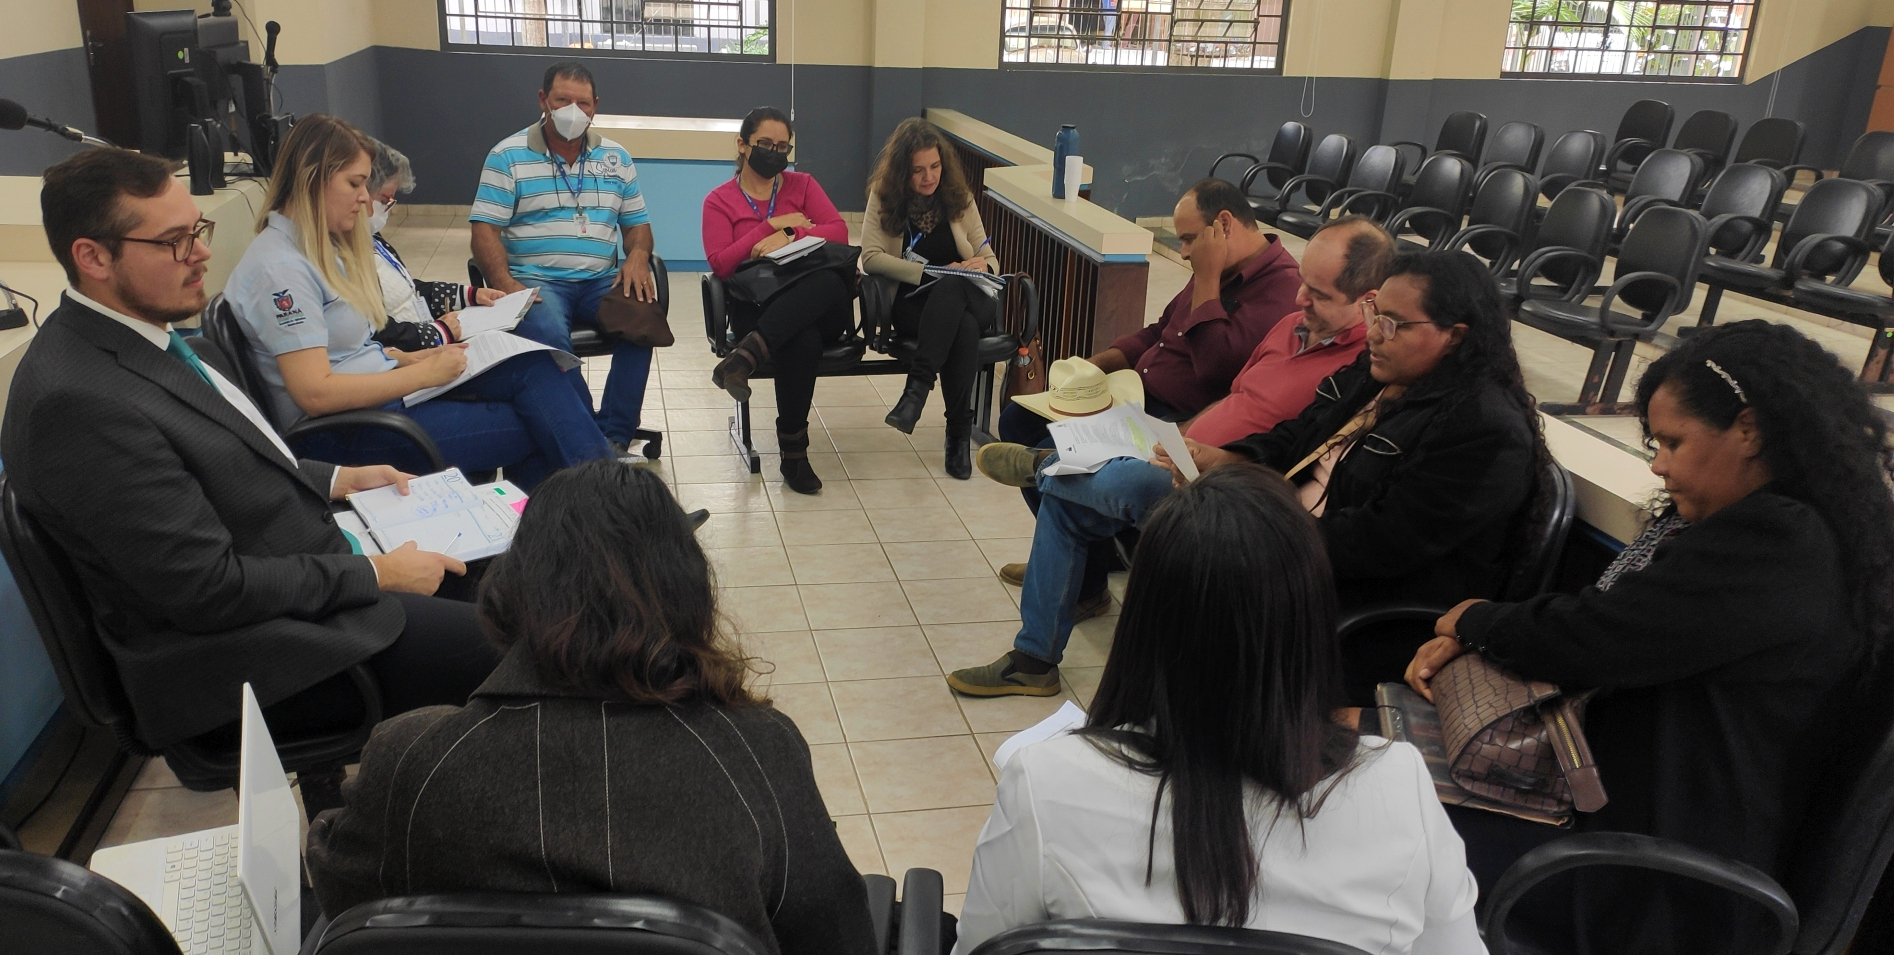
{"x": 50, "y": 85}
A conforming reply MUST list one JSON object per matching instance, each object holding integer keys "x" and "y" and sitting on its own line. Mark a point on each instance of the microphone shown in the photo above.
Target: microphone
{"x": 269, "y": 47}
{"x": 14, "y": 116}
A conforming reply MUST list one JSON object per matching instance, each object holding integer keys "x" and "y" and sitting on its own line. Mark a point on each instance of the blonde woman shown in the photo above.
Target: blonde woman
{"x": 921, "y": 213}
{"x": 308, "y": 292}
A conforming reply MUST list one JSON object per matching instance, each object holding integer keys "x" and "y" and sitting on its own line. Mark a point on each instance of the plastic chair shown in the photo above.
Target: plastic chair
{"x": 1568, "y": 247}
{"x": 1836, "y": 299}
{"x": 1774, "y": 142}
{"x": 1329, "y": 166}
{"x": 1644, "y": 129}
{"x": 1436, "y": 202}
{"x": 1738, "y": 206}
{"x": 1288, "y": 156}
{"x": 1656, "y": 271}
{"x": 1370, "y": 191}
{"x": 89, "y": 677}
{"x": 1667, "y": 177}
{"x": 225, "y": 330}
{"x": 1870, "y": 160}
{"x": 1826, "y": 236}
{"x": 1111, "y": 935}
{"x": 1708, "y": 135}
{"x": 1574, "y": 157}
{"x": 51, "y": 905}
{"x": 1462, "y": 134}
{"x": 1513, "y": 145}
{"x": 1497, "y": 223}
{"x": 1844, "y": 846}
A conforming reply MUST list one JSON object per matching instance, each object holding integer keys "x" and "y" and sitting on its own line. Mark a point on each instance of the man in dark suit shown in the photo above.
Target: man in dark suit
{"x": 206, "y": 549}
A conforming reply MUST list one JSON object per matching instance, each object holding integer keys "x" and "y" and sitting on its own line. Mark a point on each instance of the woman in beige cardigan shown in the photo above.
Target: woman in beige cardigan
{"x": 921, "y": 213}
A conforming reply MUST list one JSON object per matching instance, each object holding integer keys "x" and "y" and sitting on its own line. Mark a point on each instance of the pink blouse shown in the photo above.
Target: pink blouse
{"x": 732, "y": 228}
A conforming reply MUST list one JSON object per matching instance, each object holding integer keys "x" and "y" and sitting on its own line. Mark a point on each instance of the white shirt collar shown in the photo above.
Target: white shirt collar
{"x": 160, "y": 337}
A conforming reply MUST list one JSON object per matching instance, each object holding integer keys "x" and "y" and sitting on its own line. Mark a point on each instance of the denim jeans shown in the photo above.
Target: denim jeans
{"x": 519, "y": 415}
{"x": 549, "y": 322}
{"x": 1075, "y": 512}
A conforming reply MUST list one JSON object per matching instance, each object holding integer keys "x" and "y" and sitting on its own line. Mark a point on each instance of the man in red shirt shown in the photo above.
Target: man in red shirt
{"x": 1342, "y": 267}
{"x": 1242, "y": 284}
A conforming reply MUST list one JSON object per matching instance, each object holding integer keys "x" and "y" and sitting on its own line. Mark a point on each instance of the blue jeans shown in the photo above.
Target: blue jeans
{"x": 1075, "y": 512}
{"x": 519, "y": 415}
{"x": 549, "y": 322}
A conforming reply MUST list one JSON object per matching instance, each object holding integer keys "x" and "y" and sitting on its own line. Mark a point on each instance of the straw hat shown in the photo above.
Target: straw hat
{"x": 1077, "y": 388}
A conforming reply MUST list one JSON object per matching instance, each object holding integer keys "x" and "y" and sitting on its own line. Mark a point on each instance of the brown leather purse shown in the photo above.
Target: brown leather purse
{"x": 623, "y": 317}
{"x": 1026, "y": 373}
{"x": 1514, "y": 741}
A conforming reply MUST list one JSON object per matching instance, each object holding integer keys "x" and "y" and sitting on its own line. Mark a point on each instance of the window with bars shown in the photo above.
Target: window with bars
{"x": 1204, "y": 34}
{"x": 1626, "y": 39}
{"x": 722, "y": 28}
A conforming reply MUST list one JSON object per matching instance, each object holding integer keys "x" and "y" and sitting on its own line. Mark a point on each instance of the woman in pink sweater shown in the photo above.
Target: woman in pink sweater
{"x": 760, "y": 210}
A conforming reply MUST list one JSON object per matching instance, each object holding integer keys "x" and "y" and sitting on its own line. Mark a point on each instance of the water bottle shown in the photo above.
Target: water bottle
{"x": 1063, "y": 145}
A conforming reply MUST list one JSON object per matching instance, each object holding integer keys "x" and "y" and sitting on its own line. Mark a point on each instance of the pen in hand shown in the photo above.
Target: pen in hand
{"x": 449, "y": 549}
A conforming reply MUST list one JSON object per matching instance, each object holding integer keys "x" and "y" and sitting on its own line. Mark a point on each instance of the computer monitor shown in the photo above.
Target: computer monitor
{"x": 180, "y": 66}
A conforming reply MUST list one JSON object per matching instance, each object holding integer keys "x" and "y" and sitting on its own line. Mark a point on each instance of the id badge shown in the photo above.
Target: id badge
{"x": 581, "y": 221}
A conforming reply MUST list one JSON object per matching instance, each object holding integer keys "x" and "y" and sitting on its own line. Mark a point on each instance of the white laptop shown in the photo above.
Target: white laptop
{"x": 233, "y": 889}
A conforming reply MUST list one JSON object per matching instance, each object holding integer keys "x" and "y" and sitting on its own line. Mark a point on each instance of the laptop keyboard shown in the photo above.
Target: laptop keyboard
{"x": 211, "y": 916}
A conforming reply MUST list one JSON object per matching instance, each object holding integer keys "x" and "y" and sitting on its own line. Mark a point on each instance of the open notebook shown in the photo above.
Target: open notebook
{"x": 443, "y": 513}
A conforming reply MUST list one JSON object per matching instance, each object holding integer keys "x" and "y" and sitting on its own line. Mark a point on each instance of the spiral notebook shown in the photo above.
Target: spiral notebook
{"x": 443, "y": 513}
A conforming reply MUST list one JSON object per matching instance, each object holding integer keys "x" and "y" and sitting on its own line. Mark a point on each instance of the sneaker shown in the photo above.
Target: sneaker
{"x": 999, "y": 678}
{"x": 1013, "y": 465}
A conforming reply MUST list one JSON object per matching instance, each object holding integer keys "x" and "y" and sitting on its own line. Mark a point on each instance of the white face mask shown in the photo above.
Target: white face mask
{"x": 570, "y": 121}
{"x": 378, "y": 215}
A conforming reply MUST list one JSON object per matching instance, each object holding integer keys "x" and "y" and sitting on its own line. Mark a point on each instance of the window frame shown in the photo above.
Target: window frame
{"x": 1282, "y": 48}
{"x": 1742, "y": 72}
{"x": 450, "y": 46}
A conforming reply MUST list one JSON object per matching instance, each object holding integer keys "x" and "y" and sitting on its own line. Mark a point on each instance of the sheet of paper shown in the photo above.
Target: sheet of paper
{"x": 428, "y": 495}
{"x": 1063, "y": 720}
{"x": 501, "y": 316}
{"x": 796, "y": 249}
{"x": 470, "y": 534}
{"x": 1085, "y": 444}
{"x": 485, "y": 351}
{"x": 1172, "y": 440}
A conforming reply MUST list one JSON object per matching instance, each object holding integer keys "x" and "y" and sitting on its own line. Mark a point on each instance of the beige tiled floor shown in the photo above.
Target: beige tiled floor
{"x": 859, "y": 599}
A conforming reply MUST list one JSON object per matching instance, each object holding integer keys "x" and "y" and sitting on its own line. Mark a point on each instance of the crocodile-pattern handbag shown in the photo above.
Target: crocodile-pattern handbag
{"x": 1514, "y": 741}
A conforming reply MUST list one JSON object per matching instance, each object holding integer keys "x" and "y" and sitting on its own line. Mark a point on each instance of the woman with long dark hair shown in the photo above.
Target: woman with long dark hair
{"x": 921, "y": 213}
{"x": 1734, "y": 640}
{"x": 761, "y": 209}
{"x": 614, "y": 749}
{"x": 1210, "y": 784}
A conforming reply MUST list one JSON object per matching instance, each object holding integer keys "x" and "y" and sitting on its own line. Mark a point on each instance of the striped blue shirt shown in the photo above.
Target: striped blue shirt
{"x": 530, "y": 194}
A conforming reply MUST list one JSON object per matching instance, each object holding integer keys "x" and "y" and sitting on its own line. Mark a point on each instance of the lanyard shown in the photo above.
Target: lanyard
{"x": 382, "y": 250}
{"x": 559, "y": 166}
{"x": 773, "y": 187}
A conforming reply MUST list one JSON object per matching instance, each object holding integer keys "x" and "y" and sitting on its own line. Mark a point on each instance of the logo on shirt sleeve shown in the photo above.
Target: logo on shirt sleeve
{"x": 287, "y": 314}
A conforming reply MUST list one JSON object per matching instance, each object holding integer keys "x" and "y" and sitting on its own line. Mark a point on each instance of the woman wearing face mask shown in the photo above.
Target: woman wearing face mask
{"x": 759, "y": 211}
{"x": 921, "y": 213}
{"x": 307, "y": 292}
{"x": 1734, "y": 643}
{"x": 420, "y": 314}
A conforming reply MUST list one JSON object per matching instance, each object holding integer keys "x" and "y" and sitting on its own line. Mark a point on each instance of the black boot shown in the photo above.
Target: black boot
{"x": 959, "y": 462}
{"x": 907, "y": 411}
{"x": 733, "y": 373}
{"x": 798, "y": 476}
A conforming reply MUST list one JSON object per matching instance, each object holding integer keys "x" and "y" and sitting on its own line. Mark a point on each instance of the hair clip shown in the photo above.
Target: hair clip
{"x": 1740, "y": 396}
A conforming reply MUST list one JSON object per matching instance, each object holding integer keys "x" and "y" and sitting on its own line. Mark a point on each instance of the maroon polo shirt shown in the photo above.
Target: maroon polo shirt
{"x": 1188, "y": 359}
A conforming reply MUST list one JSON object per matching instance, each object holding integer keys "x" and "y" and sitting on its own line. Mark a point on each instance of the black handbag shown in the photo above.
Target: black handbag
{"x": 759, "y": 280}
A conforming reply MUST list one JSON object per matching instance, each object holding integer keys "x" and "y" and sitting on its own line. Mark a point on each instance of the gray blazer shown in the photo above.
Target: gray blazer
{"x": 532, "y": 787}
{"x": 208, "y": 559}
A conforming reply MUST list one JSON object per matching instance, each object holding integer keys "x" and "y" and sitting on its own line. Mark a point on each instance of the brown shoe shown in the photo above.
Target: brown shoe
{"x": 1013, "y": 465}
{"x": 732, "y": 374}
{"x": 1014, "y": 574}
{"x": 1097, "y": 605}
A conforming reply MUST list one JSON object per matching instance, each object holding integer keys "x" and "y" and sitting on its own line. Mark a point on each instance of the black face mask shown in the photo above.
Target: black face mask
{"x": 767, "y": 163}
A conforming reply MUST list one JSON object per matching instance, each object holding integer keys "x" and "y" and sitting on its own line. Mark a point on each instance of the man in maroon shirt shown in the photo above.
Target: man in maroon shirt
{"x": 1242, "y": 283}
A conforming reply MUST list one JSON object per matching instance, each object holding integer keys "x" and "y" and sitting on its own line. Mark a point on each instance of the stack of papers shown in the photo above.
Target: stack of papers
{"x": 796, "y": 250}
{"x": 1085, "y": 444}
{"x": 442, "y": 513}
{"x": 502, "y": 316}
{"x": 983, "y": 280}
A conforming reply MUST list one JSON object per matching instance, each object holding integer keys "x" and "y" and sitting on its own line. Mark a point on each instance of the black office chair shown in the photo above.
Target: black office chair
{"x": 1644, "y": 129}
{"x": 224, "y": 329}
{"x": 1574, "y": 157}
{"x": 1111, "y": 935}
{"x": 1739, "y": 206}
{"x": 1513, "y": 145}
{"x": 53, "y": 906}
{"x": 1436, "y": 201}
{"x": 1812, "y": 245}
{"x": 1288, "y": 157}
{"x": 1462, "y": 134}
{"x": 1828, "y": 297}
{"x": 1870, "y": 160}
{"x": 1372, "y": 183}
{"x": 1774, "y": 142}
{"x": 1708, "y": 135}
{"x": 1497, "y": 223}
{"x": 1656, "y": 271}
{"x": 1329, "y": 166}
{"x": 587, "y": 342}
{"x": 89, "y": 677}
{"x": 1568, "y": 247}
{"x": 1667, "y": 177}
{"x": 877, "y": 316}
{"x": 1840, "y": 854}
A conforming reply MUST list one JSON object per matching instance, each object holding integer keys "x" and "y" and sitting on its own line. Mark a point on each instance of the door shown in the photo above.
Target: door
{"x": 108, "y": 61}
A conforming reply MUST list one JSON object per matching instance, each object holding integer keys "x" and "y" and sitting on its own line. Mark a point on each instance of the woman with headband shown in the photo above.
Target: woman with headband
{"x": 1733, "y": 643}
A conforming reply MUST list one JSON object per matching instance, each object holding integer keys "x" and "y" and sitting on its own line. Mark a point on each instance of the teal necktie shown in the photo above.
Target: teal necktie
{"x": 182, "y": 352}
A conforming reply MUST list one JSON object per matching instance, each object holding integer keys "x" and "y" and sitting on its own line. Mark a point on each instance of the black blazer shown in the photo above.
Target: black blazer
{"x": 209, "y": 560}
{"x": 1422, "y": 508}
{"x": 532, "y": 787}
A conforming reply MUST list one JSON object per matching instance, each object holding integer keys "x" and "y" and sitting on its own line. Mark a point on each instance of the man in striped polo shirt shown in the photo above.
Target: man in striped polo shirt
{"x": 559, "y": 210}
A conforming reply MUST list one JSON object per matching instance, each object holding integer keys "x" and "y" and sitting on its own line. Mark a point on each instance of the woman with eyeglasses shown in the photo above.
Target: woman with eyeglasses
{"x": 308, "y": 295}
{"x": 763, "y": 208}
{"x": 1420, "y": 460}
